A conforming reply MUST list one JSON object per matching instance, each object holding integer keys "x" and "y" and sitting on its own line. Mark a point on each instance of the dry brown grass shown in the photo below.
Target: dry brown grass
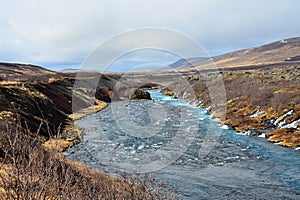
{"x": 273, "y": 53}
{"x": 86, "y": 111}
{"x": 272, "y": 92}
{"x": 288, "y": 137}
{"x": 167, "y": 91}
{"x": 28, "y": 171}
{"x": 62, "y": 143}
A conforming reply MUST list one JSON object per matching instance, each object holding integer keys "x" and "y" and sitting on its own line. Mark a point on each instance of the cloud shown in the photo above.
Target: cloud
{"x": 67, "y": 31}
{"x": 161, "y": 45}
{"x": 142, "y": 59}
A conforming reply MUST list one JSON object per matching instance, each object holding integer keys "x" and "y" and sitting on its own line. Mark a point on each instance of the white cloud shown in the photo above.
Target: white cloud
{"x": 66, "y": 31}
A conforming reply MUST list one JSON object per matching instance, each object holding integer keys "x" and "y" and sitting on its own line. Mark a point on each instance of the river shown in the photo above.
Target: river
{"x": 173, "y": 139}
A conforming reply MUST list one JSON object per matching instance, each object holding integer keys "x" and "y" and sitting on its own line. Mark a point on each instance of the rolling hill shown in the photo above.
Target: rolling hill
{"x": 280, "y": 52}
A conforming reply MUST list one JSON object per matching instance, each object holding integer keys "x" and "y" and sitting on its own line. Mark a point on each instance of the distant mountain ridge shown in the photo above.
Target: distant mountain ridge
{"x": 70, "y": 70}
{"x": 188, "y": 62}
{"x": 280, "y": 52}
{"x": 276, "y": 52}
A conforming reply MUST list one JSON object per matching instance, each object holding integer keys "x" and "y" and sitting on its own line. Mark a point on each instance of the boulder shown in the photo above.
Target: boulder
{"x": 137, "y": 94}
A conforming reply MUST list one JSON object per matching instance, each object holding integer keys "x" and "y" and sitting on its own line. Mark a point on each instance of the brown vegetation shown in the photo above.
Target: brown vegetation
{"x": 283, "y": 52}
{"x": 259, "y": 100}
{"x": 289, "y": 137}
{"x": 167, "y": 91}
{"x": 263, "y": 95}
{"x": 37, "y": 107}
{"x": 28, "y": 171}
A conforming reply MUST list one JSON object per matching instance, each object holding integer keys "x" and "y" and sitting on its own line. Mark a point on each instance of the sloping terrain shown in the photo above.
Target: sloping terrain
{"x": 275, "y": 52}
{"x": 42, "y": 100}
{"x": 262, "y": 87}
{"x": 24, "y": 72}
{"x": 36, "y": 122}
{"x": 280, "y": 52}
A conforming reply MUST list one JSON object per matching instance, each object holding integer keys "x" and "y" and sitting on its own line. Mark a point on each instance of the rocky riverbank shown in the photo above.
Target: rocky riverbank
{"x": 48, "y": 103}
{"x": 37, "y": 116}
{"x": 265, "y": 100}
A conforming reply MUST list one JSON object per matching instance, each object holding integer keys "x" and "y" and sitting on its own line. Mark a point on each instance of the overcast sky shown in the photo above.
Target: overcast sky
{"x": 64, "y": 32}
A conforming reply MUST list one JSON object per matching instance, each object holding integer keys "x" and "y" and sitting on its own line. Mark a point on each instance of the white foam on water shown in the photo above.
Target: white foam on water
{"x": 141, "y": 146}
{"x": 262, "y": 135}
{"x": 224, "y": 126}
{"x": 242, "y": 133}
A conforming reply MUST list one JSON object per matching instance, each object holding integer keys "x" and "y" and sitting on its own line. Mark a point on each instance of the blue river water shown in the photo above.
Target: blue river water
{"x": 180, "y": 143}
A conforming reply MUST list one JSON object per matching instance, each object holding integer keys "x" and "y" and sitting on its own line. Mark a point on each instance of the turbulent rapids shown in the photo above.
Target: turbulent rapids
{"x": 165, "y": 137}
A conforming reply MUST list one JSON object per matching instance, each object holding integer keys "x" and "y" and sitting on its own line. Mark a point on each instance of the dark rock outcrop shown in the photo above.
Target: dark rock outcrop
{"x": 137, "y": 94}
{"x": 104, "y": 94}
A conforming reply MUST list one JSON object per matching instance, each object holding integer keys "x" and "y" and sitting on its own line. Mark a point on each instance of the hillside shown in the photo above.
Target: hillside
{"x": 24, "y": 72}
{"x": 262, "y": 87}
{"x": 42, "y": 100}
{"x": 285, "y": 52}
{"x": 189, "y": 62}
{"x": 37, "y": 113}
